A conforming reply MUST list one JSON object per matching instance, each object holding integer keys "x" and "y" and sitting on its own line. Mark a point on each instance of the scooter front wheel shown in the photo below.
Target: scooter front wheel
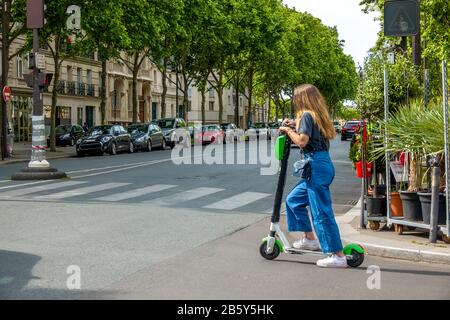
{"x": 269, "y": 256}
{"x": 356, "y": 259}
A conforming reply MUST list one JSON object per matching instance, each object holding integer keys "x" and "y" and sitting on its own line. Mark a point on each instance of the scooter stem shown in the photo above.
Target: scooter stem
{"x": 281, "y": 182}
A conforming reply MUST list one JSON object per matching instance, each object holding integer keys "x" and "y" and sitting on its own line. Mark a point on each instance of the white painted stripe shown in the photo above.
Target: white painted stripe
{"x": 39, "y": 126}
{"x": 188, "y": 195}
{"x": 46, "y": 187}
{"x": 135, "y": 193}
{"x": 39, "y": 138}
{"x": 237, "y": 201}
{"x": 82, "y": 191}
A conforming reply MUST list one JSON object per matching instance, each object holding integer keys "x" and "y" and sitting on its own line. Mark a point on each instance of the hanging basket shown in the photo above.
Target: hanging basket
{"x": 359, "y": 169}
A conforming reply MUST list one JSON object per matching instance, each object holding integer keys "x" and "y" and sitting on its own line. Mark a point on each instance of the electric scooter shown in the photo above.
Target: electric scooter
{"x": 276, "y": 242}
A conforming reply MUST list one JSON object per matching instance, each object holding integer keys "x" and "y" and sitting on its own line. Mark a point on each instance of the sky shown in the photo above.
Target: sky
{"x": 359, "y": 30}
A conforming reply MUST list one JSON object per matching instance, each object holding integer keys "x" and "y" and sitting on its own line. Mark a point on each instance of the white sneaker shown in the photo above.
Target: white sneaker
{"x": 333, "y": 261}
{"x": 306, "y": 244}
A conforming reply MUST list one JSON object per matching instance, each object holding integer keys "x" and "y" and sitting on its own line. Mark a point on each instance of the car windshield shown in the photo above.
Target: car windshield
{"x": 97, "y": 131}
{"x": 209, "y": 128}
{"x": 350, "y": 125}
{"x": 137, "y": 129}
{"x": 225, "y": 126}
{"x": 63, "y": 129}
{"x": 258, "y": 125}
{"x": 165, "y": 124}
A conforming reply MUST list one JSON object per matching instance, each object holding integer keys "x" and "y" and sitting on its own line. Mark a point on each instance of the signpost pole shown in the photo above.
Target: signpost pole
{"x": 4, "y": 81}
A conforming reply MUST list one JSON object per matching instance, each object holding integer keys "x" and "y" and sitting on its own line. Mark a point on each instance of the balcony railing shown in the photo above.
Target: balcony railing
{"x": 61, "y": 87}
{"x": 90, "y": 90}
{"x": 70, "y": 88}
{"x": 81, "y": 89}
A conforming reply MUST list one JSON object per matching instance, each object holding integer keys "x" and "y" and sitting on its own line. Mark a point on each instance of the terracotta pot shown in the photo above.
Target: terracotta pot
{"x": 396, "y": 205}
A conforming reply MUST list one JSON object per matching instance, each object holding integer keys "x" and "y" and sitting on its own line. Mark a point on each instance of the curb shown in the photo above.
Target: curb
{"x": 385, "y": 251}
{"x": 14, "y": 161}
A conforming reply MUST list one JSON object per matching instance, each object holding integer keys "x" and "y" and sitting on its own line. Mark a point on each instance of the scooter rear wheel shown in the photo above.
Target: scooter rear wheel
{"x": 268, "y": 256}
{"x": 356, "y": 260}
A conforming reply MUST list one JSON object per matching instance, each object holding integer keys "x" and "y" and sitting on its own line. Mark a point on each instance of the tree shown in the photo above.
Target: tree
{"x": 106, "y": 34}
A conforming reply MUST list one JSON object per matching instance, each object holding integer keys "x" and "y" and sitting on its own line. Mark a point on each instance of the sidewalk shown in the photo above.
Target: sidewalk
{"x": 22, "y": 153}
{"x": 412, "y": 245}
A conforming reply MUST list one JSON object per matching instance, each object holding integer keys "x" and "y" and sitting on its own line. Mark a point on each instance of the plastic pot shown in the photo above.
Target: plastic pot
{"x": 396, "y": 205}
{"x": 425, "y": 201}
{"x": 376, "y": 207}
{"x": 412, "y": 209}
{"x": 359, "y": 169}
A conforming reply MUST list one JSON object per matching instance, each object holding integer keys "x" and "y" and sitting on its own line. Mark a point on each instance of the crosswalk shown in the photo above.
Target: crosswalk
{"x": 156, "y": 194}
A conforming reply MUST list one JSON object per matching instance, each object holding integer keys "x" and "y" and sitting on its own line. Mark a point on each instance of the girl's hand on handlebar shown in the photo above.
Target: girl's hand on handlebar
{"x": 284, "y": 129}
{"x": 288, "y": 123}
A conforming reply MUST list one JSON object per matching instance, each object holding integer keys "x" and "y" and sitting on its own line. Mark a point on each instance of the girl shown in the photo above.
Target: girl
{"x": 314, "y": 129}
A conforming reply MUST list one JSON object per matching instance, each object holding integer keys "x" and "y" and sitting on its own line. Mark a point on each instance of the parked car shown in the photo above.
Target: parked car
{"x": 67, "y": 135}
{"x": 231, "y": 132}
{"x": 337, "y": 126}
{"x": 259, "y": 129}
{"x": 175, "y": 131}
{"x": 146, "y": 136}
{"x": 107, "y": 138}
{"x": 211, "y": 133}
{"x": 348, "y": 130}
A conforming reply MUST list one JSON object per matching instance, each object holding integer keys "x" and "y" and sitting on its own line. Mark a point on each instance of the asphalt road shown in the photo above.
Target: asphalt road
{"x": 140, "y": 226}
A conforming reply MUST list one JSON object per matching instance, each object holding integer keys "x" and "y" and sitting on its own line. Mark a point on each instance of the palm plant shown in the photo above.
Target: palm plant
{"x": 415, "y": 129}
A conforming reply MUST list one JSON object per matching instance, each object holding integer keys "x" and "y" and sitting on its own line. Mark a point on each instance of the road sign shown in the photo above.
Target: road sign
{"x": 401, "y": 18}
{"x": 40, "y": 61}
{"x": 35, "y": 14}
{"x": 6, "y": 93}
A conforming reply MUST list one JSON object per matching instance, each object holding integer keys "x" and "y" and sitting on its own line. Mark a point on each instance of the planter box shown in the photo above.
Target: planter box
{"x": 412, "y": 209}
{"x": 425, "y": 201}
{"x": 376, "y": 207}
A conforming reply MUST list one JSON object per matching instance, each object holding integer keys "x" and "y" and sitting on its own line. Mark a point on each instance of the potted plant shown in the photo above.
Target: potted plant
{"x": 376, "y": 200}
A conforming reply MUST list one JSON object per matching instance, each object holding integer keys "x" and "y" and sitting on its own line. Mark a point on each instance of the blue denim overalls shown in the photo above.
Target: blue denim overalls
{"x": 315, "y": 193}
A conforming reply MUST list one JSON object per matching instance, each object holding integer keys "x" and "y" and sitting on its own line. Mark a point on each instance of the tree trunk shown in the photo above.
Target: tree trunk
{"x": 54, "y": 95}
{"x": 220, "y": 92}
{"x": 236, "y": 106}
{"x": 134, "y": 88}
{"x": 269, "y": 109}
{"x": 414, "y": 180}
{"x": 203, "y": 91}
{"x": 164, "y": 91}
{"x": 250, "y": 92}
{"x": 103, "y": 92}
{"x": 185, "y": 95}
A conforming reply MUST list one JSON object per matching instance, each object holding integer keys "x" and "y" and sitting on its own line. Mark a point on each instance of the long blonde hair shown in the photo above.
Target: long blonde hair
{"x": 307, "y": 98}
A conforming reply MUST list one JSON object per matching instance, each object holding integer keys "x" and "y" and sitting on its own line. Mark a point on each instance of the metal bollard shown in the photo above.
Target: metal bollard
{"x": 434, "y": 199}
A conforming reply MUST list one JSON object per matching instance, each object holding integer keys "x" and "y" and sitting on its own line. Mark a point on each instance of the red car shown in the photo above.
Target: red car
{"x": 349, "y": 128}
{"x": 211, "y": 133}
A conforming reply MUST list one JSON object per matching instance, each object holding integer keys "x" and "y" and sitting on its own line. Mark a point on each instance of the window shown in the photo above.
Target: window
{"x": 79, "y": 75}
{"x": 211, "y": 106}
{"x": 80, "y": 116}
{"x": 19, "y": 70}
{"x": 155, "y": 77}
{"x": 211, "y": 93}
{"x": 229, "y": 100}
{"x": 89, "y": 76}
{"x": 69, "y": 73}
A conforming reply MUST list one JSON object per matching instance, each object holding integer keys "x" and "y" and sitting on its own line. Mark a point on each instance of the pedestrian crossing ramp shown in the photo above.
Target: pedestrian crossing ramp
{"x": 210, "y": 198}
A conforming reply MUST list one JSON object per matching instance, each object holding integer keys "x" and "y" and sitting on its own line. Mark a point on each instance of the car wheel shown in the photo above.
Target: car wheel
{"x": 342, "y": 138}
{"x": 80, "y": 154}
{"x": 149, "y": 145}
{"x": 131, "y": 147}
{"x": 113, "y": 149}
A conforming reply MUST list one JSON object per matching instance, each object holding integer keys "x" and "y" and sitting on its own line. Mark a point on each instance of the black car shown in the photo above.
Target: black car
{"x": 107, "y": 138}
{"x": 175, "y": 131}
{"x": 259, "y": 129}
{"x": 146, "y": 136}
{"x": 67, "y": 135}
{"x": 231, "y": 132}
